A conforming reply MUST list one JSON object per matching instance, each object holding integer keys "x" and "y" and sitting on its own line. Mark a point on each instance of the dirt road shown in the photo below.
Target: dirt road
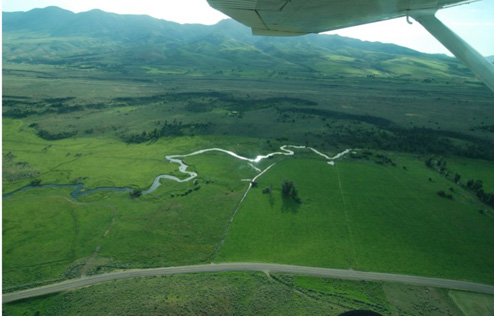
{"x": 263, "y": 267}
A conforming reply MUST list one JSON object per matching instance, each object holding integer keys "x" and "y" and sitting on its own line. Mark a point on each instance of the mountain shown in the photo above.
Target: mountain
{"x": 97, "y": 39}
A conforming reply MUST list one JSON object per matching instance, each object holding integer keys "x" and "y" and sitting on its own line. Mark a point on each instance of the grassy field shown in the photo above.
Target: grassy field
{"x": 405, "y": 102}
{"x": 70, "y": 160}
{"x": 287, "y": 232}
{"x": 249, "y": 294}
{"x": 205, "y": 294}
{"x": 48, "y": 236}
{"x": 180, "y": 223}
{"x": 44, "y": 235}
{"x": 68, "y": 126}
{"x": 476, "y": 169}
{"x": 473, "y": 304}
{"x": 364, "y": 216}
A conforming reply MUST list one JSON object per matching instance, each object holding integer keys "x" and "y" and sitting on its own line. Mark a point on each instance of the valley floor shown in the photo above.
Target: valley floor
{"x": 412, "y": 198}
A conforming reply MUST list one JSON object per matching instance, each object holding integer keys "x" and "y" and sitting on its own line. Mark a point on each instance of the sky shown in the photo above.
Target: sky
{"x": 473, "y": 22}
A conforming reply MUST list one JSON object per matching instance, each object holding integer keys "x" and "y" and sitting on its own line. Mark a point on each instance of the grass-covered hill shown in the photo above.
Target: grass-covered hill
{"x": 97, "y": 39}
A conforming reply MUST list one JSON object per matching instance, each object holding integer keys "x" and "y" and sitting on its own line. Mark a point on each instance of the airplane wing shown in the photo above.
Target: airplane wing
{"x": 298, "y": 17}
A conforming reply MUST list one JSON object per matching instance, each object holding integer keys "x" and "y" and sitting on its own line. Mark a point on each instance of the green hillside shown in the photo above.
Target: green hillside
{"x": 96, "y": 39}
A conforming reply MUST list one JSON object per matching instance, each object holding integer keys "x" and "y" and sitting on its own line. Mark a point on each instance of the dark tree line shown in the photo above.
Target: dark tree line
{"x": 54, "y": 136}
{"x": 378, "y": 121}
{"x": 477, "y": 186}
{"x": 18, "y": 113}
{"x": 414, "y": 140}
{"x": 175, "y": 128}
{"x": 386, "y": 135}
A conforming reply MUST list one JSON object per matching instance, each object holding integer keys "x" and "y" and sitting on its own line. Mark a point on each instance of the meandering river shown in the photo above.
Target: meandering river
{"x": 79, "y": 188}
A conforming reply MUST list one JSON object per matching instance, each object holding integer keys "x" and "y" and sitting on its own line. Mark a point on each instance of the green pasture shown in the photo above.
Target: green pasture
{"x": 48, "y": 236}
{"x": 473, "y": 304}
{"x": 179, "y": 223}
{"x": 169, "y": 231}
{"x": 46, "y": 81}
{"x": 354, "y": 215}
{"x": 44, "y": 234}
{"x": 96, "y": 162}
{"x": 269, "y": 229}
{"x": 364, "y": 216}
{"x": 107, "y": 162}
{"x": 473, "y": 169}
{"x": 415, "y": 66}
{"x": 369, "y": 293}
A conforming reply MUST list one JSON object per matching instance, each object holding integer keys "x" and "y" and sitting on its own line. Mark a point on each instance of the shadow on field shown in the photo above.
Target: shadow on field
{"x": 271, "y": 200}
{"x": 289, "y": 205}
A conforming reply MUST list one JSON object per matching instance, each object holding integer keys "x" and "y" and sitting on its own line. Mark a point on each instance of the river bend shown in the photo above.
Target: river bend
{"x": 284, "y": 150}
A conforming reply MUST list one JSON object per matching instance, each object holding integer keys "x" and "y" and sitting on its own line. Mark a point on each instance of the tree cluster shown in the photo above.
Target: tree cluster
{"x": 135, "y": 193}
{"x": 54, "y": 136}
{"x": 445, "y": 195}
{"x": 288, "y": 190}
{"x": 18, "y": 113}
{"x": 175, "y": 128}
{"x": 476, "y": 186}
{"x": 439, "y": 165}
{"x": 361, "y": 131}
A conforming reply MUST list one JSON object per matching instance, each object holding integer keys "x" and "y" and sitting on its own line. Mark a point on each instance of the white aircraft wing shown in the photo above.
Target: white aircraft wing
{"x": 298, "y": 17}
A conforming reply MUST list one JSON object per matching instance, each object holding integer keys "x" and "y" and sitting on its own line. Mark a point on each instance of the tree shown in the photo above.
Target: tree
{"x": 444, "y": 195}
{"x": 477, "y": 185}
{"x": 36, "y": 182}
{"x": 288, "y": 190}
{"x": 457, "y": 178}
{"x": 136, "y": 193}
{"x": 428, "y": 163}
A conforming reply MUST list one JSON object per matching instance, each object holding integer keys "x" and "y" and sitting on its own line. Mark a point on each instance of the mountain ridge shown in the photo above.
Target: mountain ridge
{"x": 55, "y": 36}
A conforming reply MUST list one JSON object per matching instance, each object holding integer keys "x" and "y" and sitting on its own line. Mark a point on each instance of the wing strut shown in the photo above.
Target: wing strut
{"x": 456, "y": 45}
